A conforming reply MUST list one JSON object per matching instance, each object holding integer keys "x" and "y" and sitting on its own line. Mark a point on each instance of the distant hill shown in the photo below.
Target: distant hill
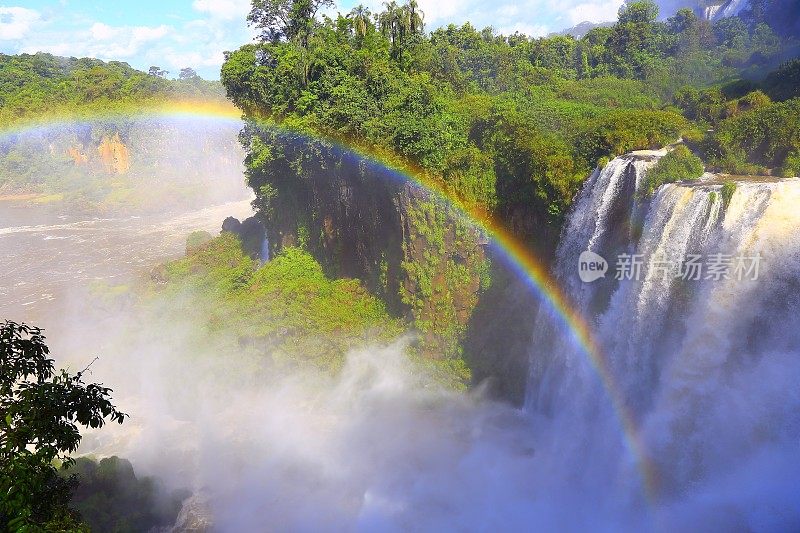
{"x": 72, "y": 132}
{"x": 41, "y": 83}
{"x": 580, "y": 30}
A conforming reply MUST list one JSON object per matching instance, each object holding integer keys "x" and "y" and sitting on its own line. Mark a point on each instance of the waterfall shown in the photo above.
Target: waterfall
{"x": 702, "y": 347}
{"x": 728, "y": 8}
{"x": 263, "y": 254}
{"x": 710, "y": 12}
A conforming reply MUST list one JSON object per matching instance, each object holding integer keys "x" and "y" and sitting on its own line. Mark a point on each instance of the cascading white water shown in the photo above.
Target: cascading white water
{"x": 707, "y": 371}
{"x": 706, "y": 359}
{"x": 709, "y": 12}
{"x": 724, "y": 9}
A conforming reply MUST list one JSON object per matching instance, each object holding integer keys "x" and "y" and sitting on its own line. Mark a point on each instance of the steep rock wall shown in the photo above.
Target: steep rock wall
{"x": 114, "y": 155}
{"x": 423, "y": 258}
{"x": 426, "y": 259}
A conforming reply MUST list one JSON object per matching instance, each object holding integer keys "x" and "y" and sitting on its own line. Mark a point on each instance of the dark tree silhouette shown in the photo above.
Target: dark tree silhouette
{"x": 187, "y": 73}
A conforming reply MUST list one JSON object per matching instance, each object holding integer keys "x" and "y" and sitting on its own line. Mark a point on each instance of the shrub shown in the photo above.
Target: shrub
{"x": 728, "y": 188}
{"x": 784, "y": 83}
{"x": 791, "y": 166}
{"x": 762, "y": 137}
{"x": 678, "y": 165}
{"x": 286, "y": 304}
{"x": 196, "y": 240}
{"x": 110, "y": 497}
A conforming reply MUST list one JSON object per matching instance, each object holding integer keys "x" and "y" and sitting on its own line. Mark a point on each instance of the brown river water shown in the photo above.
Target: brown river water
{"x": 51, "y": 260}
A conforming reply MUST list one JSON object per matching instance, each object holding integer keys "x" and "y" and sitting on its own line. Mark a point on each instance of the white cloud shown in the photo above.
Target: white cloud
{"x": 531, "y": 30}
{"x": 57, "y": 49}
{"x": 103, "y": 32}
{"x": 180, "y": 59}
{"x": 103, "y": 41}
{"x": 223, "y": 9}
{"x": 595, "y": 12}
{"x": 440, "y": 10}
{"x": 16, "y": 22}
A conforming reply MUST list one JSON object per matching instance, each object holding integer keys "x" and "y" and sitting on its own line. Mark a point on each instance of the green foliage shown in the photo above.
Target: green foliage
{"x": 285, "y": 19}
{"x": 784, "y": 83}
{"x": 728, "y": 188}
{"x": 621, "y": 131}
{"x": 109, "y": 497}
{"x": 40, "y": 414}
{"x": 196, "y": 240}
{"x": 791, "y": 165}
{"x": 45, "y": 85}
{"x": 288, "y": 305}
{"x": 678, "y": 165}
{"x": 443, "y": 277}
{"x": 764, "y": 137}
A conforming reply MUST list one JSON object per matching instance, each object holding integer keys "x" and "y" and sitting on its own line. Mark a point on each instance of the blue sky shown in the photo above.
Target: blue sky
{"x": 179, "y": 33}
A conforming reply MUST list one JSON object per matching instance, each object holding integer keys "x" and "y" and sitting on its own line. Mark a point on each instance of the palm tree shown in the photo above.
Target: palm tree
{"x": 398, "y": 22}
{"x": 362, "y": 19}
{"x": 388, "y": 20}
{"x": 416, "y": 17}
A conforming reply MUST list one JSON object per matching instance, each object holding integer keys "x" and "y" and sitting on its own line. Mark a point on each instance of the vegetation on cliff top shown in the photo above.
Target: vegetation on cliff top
{"x": 680, "y": 164}
{"x": 506, "y": 124}
{"x": 287, "y": 305}
{"x": 34, "y": 85}
{"x": 287, "y": 312}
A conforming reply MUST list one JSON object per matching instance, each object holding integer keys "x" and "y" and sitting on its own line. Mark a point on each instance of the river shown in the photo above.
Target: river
{"x": 51, "y": 257}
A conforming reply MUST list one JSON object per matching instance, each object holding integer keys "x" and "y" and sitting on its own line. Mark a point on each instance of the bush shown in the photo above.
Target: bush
{"x": 287, "y": 304}
{"x": 728, "y": 188}
{"x": 762, "y": 137}
{"x": 678, "y": 165}
{"x": 791, "y": 166}
{"x": 110, "y": 497}
{"x": 784, "y": 83}
{"x": 196, "y": 240}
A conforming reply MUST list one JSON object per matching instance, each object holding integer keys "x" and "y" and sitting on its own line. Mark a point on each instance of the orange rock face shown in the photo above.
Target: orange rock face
{"x": 77, "y": 155}
{"x": 114, "y": 155}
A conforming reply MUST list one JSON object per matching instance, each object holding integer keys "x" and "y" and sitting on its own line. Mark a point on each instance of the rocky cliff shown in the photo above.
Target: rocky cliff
{"x": 424, "y": 257}
{"x": 126, "y": 163}
{"x": 114, "y": 155}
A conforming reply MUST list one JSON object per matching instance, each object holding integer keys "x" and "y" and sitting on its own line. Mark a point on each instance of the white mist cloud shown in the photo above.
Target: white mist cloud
{"x": 605, "y": 11}
{"x": 223, "y": 9}
{"x": 526, "y": 29}
{"x": 122, "y": 42}
{"x": 16, "y": 22}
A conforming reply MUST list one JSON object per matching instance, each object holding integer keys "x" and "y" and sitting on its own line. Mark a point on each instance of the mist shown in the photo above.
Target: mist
{"x": 377, "y": 446}
{"x": 380, "y": 446}
{"x": 125, "y": 164}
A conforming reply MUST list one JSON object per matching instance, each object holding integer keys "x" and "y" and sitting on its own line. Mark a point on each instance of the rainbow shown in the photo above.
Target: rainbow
{"x": 531, "y": 269}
